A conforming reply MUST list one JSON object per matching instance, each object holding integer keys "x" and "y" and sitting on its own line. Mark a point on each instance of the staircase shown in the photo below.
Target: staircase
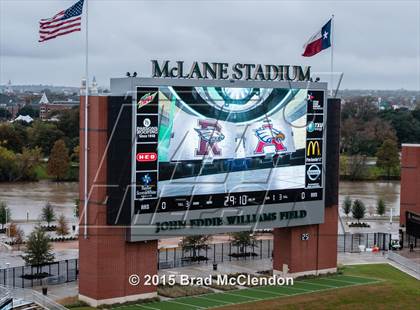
{"x": 29, "y": 306}
{"x": 24, "y": 299}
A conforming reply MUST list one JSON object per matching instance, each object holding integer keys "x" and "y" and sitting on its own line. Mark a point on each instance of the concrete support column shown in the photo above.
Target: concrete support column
{"x": 410, "y": 181}
{"x": 294, "y": 256}
{"x": 318, "y": 254}
{"x": 106, "y": 259}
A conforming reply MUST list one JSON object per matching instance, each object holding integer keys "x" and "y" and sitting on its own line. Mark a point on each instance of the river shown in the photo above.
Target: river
{"x": 27, "y": 199}
{"x": 370, "y": 192}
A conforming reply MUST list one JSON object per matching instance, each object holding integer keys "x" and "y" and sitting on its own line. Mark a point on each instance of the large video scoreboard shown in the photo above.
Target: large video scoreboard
{"x": 222, "y": 156}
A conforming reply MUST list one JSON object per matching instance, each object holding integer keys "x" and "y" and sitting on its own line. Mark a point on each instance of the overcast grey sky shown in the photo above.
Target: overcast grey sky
{"x": 377, "y": 43}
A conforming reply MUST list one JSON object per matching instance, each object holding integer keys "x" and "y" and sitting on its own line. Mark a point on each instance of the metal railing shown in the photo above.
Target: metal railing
{"x": 25, "y": 276}
{"x": 32, "y": 296}
{"x": 4, "y": 296}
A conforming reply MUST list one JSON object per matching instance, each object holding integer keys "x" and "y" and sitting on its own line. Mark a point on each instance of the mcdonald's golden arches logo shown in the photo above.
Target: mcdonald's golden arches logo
{"x": 313, "y": 148}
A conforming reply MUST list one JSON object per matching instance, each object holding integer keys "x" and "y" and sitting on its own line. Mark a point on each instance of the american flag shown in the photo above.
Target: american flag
{"x": 62, "y": 23}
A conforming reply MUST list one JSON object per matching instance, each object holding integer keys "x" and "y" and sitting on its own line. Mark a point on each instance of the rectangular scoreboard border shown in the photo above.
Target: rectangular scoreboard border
{"x": 157, "y": 83}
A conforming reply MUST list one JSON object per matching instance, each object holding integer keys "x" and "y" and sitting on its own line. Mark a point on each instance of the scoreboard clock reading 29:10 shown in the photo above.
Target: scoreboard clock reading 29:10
{"x": 214, "y": 150}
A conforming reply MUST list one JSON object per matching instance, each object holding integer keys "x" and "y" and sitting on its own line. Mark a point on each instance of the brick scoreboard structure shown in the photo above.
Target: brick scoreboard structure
{"x": 410, "y": 181}
{"x": 312, "y": 249}
{"x": 106, "y": 259}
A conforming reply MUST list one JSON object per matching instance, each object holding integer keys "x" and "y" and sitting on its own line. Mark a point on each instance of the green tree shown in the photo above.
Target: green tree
{"x": 28, "y": 110}
{"x": 380, "y": 207}
{"x": 405, "y": 123}
{"x": 4, "y": 214}
{"x": 195, "y": 244}
{"x": 38, "y": 250}
{"x": 76, "y": 207}
{"x": 62, "y": 227}
{"x": 388, "y": 157}
{"x": 362, "y": 130}
{"x": 357, "y": 167}
{"x": 48, "y": 214}
{"x": 358, "y": 210}
{"x": 59, "y": 161}
{"x": 4, "y": 114}
{"x": 243, "y": 239}
{"x": 44, "y": 135}
{"x": 347, "y": 206}
{"x": 75, "y": 154}
{"x": 10, "y": 138}
{"x": 69, "y": 122}
{"x": 8, "y": 167}
{"x": 27, "y": 162}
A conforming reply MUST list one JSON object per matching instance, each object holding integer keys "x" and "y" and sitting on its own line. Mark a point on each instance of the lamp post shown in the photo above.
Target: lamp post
{"x": 7, "y": 273}
{"x": 7, "y": 220}
{"x": 390, "y": 217}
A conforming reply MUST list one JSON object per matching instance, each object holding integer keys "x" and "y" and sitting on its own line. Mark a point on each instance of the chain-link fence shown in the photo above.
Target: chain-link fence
{"x": 352, "y": 242}
{"x": 214, "y": 253}
{"x": 67, "y": 270}
{"x": 30, "y": 276}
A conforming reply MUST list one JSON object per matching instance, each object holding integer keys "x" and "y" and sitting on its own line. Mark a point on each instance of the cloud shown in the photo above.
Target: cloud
{"x": 376, "y": 43}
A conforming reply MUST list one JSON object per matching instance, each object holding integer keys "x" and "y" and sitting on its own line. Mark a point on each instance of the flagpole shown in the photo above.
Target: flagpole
{"x": 86, "y": 122}
{"x": 332, "y": 54}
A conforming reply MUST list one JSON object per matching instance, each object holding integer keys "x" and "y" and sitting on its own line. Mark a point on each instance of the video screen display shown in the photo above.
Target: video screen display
{"x": 219, "y": 147}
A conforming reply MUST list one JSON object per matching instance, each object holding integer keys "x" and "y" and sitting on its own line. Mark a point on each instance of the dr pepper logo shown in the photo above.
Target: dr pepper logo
{"x": 141, "y": 157}
{"x": 146, "y": 99}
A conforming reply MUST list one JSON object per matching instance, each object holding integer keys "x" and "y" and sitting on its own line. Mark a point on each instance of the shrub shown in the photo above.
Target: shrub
{"x": 62, "y": 227}
{"x": 347, "y": 205}
{"x": 358, "y": 210}
{"x": 181, "y": 291}
{"x": 380, "y": 208}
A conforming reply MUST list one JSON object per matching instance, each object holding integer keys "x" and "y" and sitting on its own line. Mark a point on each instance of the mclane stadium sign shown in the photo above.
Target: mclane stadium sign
{"x": 223, "y": 71}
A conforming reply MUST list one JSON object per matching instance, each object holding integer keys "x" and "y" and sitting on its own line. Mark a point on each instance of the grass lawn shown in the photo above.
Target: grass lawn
{"x": 395, "y": 291}
{"x": 378, "y": 286}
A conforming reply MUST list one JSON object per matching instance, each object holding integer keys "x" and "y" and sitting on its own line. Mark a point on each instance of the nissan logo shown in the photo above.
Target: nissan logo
{"x": 313, "y": 172}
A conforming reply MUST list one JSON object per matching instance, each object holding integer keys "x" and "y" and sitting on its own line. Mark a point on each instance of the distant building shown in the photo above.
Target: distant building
{"x": 44, "y": 99}
{"x": 45, "y": 109}
{"x": 9, "y": 89}
{"x": 24, "y": 118}
{"x": 13, "y": 109}
{"x": 93, "y": 89}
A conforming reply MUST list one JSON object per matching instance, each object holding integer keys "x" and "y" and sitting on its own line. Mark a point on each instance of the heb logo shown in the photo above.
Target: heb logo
{"x": 146, "y": 157}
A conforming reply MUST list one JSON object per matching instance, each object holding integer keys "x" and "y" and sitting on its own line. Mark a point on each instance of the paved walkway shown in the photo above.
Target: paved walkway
{"x": 413, "y": 256}
{"x": 362, "y": 258}
{"x": 61, "y": 291}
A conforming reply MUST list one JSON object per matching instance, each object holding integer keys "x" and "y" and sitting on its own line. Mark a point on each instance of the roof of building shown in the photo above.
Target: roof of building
{"x": 25, "y": 118}
{"x": 43, "y": 99}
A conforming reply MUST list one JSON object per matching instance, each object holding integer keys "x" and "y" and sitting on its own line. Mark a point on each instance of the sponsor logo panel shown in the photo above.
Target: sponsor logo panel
{"x": 313, "y": 175}
{"x": 147, "y": 128}
{"x": 315, "y": 102}
{"x": 146, "y": 186}
{"x": 314, "y": 151}
{"x": 148, "y": 100}
{"x": 315, "y": 126}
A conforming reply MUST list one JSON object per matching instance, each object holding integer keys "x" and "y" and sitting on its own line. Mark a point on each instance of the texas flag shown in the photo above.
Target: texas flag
{"x": 319, "y": 41}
